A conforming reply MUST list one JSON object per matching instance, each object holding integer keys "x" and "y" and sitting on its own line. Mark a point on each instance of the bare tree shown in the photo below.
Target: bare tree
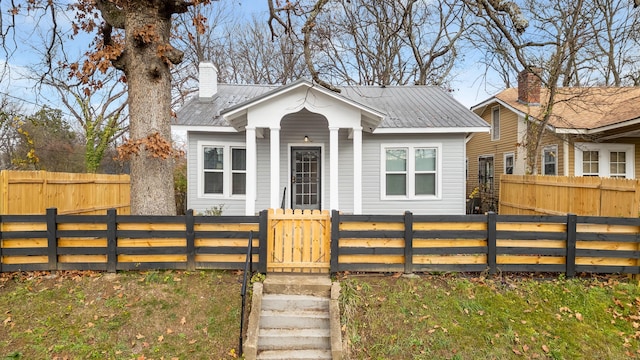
{"x": 547, "y": 40}
{"x": 133, "y": 36}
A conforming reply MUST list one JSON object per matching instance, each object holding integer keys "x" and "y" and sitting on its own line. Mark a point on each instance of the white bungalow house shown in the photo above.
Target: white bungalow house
{"x": 365, "y": 150}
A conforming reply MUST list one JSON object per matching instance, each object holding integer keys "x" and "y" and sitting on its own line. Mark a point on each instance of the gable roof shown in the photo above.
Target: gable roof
{"x": 401, "y": 107}
{"x": 578, "y": 108}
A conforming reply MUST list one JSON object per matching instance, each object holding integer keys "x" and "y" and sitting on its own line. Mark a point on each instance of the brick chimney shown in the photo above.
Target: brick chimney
{"x": 208, "y": 80}
{"x": 529, "y": 86}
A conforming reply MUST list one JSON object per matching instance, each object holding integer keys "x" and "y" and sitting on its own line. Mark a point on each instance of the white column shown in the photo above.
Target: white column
{"x": 275, "y": 167}
{"x": 357, "y": 170}
{"x": 333, "y": 168}
{"x": 252, "y": 178}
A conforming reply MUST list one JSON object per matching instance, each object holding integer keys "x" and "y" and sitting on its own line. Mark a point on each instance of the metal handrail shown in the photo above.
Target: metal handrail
{"x": 284, "y": 197}
{"x": 248, "y": 268}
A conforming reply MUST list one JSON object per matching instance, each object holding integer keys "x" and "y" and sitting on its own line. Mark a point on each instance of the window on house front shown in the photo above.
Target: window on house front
{"x": 590, "y": 163}
{"x": 617, "y": 164}
{"x": 495, "y": 123}
{"x": 410, "y": 172}
{"x": 485, "y": 172}
{"x": 605, "y": 160}
{"x": 550, "y": 160}
{"x": 508, "y": 163}
{"x": 223, "y": 170}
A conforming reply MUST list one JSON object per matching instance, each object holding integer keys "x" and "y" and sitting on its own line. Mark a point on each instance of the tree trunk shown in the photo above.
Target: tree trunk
{"x": 147, "y": 27}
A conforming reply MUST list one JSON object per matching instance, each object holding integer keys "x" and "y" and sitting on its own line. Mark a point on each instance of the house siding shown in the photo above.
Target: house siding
{"x": 231, "y": 206}
{"x": 482, "y": 145}
{"x": 452, "y": 199}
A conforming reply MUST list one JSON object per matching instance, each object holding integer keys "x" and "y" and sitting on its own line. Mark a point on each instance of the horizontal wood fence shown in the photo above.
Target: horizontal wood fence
{"x": 359, "y": 243}
{"x": 561, "y": 195}
{"x": 32, "y": 192}
{"x": 125, "y": 242}
{"x": 505, "y": 243}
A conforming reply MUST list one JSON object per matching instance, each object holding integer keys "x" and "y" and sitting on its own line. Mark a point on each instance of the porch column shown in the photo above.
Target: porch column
{"x": 274, "y": 162}
{"x": 357, "y": 170}
{"x": 333, "y": 168}
{"x": 252, "y": 179}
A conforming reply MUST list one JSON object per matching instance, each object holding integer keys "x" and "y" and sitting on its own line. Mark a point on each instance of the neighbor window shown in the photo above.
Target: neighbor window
{"x": 550, "y": 160}
{"x": 508, "y": 163}
{"x": 495, "y": 123}
{"x": 410, "y": 171}
{"x": 605, "y": 160}
{"x": 223, "y": 170}
{"x": 617, "y": 164}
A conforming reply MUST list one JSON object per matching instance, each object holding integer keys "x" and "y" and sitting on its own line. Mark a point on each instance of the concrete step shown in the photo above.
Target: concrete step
{"x": 272, "y": 319}
{"x": 286, "y": 302}
{"x": 298, "y": 284}
{"x": 294, "y": 339}
{"x": 294, "y": 354}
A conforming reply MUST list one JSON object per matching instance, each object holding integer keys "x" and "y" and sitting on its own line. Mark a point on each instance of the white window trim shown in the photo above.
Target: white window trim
{"x": 553, "y": 148}
{"x": 495, "y": 135}
{"x": 226, "y": 166}
{"x": 504, "y": 163}
{"x": 604, "y": 149}
{"x": 410, "y": 171}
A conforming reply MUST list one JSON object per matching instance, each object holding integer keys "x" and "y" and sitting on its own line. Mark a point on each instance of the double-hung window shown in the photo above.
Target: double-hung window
{"x": 410, "y": 172}
{"x": 222, "y": 170}
{"x": 550, "y": 160}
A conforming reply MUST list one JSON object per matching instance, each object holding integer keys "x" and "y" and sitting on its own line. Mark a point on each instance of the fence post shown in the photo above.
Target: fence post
{"x": 1, "y": 242}
{"x": 572, "y": 221}
{"x": 491, "y": 242}
{"x": 52, "y": 238}
{"x": 408, "y": 242}
{"x": 334, "y": 265}
{"x": 112, "y": 241}
{"x": 191, "y": 240}
{"x": 262, "y": 240}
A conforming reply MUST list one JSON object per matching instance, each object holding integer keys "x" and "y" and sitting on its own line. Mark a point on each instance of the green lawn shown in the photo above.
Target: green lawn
{"x": 137, "y": 315}
{"x": 194, "y": 315}
{"x": 458, "y": 317}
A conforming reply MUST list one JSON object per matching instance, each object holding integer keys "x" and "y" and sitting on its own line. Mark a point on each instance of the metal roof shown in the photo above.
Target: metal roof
{"x": 404, "y": 107}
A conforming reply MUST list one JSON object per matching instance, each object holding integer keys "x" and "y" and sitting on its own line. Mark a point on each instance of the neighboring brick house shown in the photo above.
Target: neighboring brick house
{"x": 592, "y": 132}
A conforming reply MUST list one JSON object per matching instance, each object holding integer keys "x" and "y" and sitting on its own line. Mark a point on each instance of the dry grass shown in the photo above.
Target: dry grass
{"x": 142, "y": 315}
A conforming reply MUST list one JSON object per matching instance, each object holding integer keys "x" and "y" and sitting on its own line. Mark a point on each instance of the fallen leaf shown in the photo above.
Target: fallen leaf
{"x": 169, "y": 331}
{"x": 545, "y": 348}
{"x": 160, "y": 338}
{"x": 139, "y": 336}
{"x": 516, "y": 351}
{"x": 6, "y": 321}
{"x": 183, "y": 321}
{"x": 191, "y": 342}
{"x": 579, "y": 316}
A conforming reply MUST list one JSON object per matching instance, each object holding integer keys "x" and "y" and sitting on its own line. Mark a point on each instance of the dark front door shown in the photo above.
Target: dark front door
{"x": 305, "y": 178}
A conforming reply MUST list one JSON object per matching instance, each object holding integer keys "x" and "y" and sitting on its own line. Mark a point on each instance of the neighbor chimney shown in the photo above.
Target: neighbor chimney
{"x": 208, "y": 79}
{"x": 529, "y": 86}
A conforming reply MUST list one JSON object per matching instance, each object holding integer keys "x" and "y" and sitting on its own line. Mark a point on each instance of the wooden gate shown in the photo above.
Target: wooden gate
{"x": 299, "y": 241}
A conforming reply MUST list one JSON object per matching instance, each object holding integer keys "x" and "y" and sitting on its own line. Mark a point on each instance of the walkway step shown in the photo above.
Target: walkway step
{"x": 273, "y": 319}
{"x": 294, "y": 339}
{"x": 287, "y": 302}
{"x": 299, "y": 284}
{"x": 295, "y": 354}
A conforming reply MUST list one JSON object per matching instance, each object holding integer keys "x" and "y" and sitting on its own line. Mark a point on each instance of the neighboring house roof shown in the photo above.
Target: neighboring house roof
{"x": 401, "y": 107}
{"x": 578, "y": 108}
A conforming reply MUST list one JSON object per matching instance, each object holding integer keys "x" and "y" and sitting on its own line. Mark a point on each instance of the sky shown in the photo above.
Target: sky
{"x": 468, "y": 88}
